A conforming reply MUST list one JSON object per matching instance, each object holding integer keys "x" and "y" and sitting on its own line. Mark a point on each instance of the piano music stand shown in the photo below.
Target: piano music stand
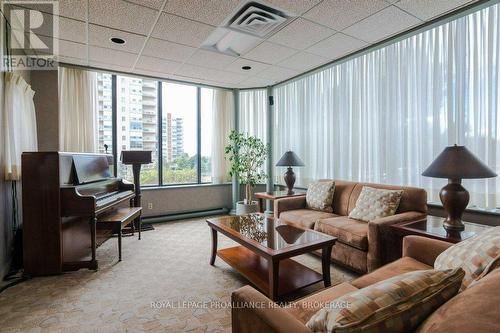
{"x": 136, "y": 158}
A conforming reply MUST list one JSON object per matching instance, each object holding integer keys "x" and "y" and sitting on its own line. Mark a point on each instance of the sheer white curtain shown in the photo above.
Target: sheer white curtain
{"x": 384, "y": 116}
{"x": 252, "y": 116}
{"x": 19, "y": 124}
{"x": 77, "y": 110}
{"x": 223, "y": 123}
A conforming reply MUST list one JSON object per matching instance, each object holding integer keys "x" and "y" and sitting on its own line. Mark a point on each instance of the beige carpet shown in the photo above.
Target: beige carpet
{"x": 163, "y": 284}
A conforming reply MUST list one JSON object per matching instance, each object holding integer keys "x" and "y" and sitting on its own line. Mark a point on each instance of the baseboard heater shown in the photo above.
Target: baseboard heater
{"x": 185, "y": 215}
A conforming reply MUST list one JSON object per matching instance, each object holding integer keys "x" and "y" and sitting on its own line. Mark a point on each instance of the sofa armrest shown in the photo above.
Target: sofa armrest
{"x": 423, "y": 249}
{"x": 253, "y": 312}
{"x": 376, "y": 231}
{"x": 291, "y": 203}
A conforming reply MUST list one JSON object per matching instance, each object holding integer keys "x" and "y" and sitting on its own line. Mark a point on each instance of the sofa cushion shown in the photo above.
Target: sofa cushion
{"x": 398, "y": 267}
{"x": 413, "y": 198}
{"x": 473, "y": 310}
{"x": 305, "y": 218}
{"x": 477, "y": 255}
{"x": 347, "y": 230}
{"x": 304, "y": 308}
{"x": 395, "y": 305}
{"x": 376, "y": 203}
{"x": 319, "y": 196}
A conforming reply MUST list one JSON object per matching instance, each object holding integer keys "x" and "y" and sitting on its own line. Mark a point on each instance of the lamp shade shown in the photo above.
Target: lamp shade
{"x": 290, "y": 159}
{"x": 457, "y": 162}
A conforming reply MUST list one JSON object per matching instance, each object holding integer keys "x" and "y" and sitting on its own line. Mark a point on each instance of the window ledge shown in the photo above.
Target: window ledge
{"x": 178, "y": 186}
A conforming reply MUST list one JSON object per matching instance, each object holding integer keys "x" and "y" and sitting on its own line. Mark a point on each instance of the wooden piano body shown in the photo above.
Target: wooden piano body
{"x": 63, "y": 196}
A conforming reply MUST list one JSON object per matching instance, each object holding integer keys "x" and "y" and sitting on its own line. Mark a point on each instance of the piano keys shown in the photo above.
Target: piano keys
{"x": 64, "y": 194}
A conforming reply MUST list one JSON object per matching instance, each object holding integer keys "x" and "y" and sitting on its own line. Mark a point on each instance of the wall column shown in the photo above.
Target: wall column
{"x": 235, "y": 181}
{"x": 269, "y": 132}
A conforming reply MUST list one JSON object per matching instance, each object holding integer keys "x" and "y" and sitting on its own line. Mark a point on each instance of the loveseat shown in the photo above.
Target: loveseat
{"x": 476, "y": 309}
{"x": 360, "y": 245}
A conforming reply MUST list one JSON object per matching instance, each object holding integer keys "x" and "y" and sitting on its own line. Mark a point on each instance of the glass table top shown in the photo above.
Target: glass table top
{"x": 269, "y": 232}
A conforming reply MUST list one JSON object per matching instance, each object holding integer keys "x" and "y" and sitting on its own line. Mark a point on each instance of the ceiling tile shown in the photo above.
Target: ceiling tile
{"x": 74, "y": 61}
{"x": 68, "y": 29}
{"x": 336, "y": 46}
{"x": 100, "y": 36}
{"x": 156, "y": 4}
{"x": 156, "y": 64}
{"x": 339, "y": 14}
{"x": 428, "y": 9}
{"x": 210, "y": 59}
{"x": 254, "y": 81}
{"x": 181, "y": 30}
{"x": 383, "y": 24}
{"x": 278, "y": 73}
{"x": 300, "y": 34}
{"x": 197, "y": 72}
{"x": 143, "y": 72}
{"x": 108, "y": 56}
{"x": 240, "y": 62}
{"x": 229, "y": 77}
{"x": 212, "y": 12}
{"x": 73, "y": 50}
{"x": 122, "y": 15}
{"x": 297, "y": 7}
{"x": 76, "y": 9}
{"x": 167, "y": 50}
{"x": 269, "y": 53}
{"x": 106, "y": 66}
{"x": 303, "y": 61}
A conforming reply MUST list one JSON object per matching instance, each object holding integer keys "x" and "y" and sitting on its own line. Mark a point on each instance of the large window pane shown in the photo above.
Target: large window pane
{"x": 137, "y": 124}
{"x": 179, "y": 133}
{"x": 104, "y": 113}
{"x": 206, "y": 134}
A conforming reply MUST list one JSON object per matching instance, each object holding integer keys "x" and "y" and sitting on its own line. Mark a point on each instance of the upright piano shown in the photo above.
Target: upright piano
{"x": 63, "y": 195}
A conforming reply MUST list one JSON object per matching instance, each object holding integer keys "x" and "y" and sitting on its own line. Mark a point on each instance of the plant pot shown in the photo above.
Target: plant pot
{"x": 242, "y": 208}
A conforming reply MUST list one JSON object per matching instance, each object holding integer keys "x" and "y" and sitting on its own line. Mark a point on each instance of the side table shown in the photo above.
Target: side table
{"x": 261, "y": 196}
{"x": 431, "y": 227}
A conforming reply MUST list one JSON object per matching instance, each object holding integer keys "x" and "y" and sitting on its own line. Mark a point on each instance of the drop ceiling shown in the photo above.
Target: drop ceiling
{"x": 164, "y": 37}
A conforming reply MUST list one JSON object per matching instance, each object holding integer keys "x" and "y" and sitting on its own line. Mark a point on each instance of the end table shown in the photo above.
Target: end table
{"x": 431, "y": 227}
{"x": 261, "y": 196}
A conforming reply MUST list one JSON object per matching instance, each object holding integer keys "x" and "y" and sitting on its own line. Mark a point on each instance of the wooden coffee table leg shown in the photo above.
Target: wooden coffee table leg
{"x": 325, "y": 263}
{"x": 214, "y": 246}
{"x": 274, "y": 277}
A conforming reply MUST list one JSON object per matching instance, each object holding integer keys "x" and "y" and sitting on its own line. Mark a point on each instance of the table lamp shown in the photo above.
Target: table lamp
{"x": 289, "y": 159}
{"x": 456, "y": 163}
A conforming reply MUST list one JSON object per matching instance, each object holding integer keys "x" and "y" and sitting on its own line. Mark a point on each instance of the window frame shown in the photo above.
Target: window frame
{"x": 114, "y": 122}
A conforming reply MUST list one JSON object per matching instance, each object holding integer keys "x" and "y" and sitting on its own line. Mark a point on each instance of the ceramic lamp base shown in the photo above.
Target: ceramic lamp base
{"x": 455, "y": 199}
{"x": 289, "y": 179}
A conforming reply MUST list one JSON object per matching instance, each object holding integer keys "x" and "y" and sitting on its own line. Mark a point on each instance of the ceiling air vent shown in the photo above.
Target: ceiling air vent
{"x": 257, "y": 19}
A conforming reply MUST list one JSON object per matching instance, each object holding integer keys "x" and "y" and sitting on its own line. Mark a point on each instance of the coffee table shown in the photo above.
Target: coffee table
{"x": 266, "y": 246}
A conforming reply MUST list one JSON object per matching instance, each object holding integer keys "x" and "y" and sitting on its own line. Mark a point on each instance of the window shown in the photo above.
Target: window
{"x": 104, "y": 109}
{"x": 385, "y": 115}
{"x": 206, "y": 134}
{"x": 178, "y": 131}
{"x": 180, "y": 161}
{"x": 138, "y": 108}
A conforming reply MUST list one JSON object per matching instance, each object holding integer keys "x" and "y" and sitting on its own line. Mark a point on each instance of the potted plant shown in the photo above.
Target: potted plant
{"x": 246, "y": 155}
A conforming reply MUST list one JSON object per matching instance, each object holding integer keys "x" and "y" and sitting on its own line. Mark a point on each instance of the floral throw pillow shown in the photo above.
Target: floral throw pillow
{"x": 319, "y": 196}
{"x": 374, "y": 203}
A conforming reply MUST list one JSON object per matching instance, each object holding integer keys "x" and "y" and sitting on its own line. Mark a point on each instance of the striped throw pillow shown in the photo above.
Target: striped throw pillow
{"x": 477, "y": 256}
{"x": 395, "y": 305}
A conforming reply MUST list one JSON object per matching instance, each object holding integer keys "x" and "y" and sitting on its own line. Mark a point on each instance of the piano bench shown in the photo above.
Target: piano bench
{"x": 115, "y": 220}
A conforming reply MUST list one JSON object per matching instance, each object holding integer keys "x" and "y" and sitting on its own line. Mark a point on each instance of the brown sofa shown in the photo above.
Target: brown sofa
{"x": 359, "y": 244}
{"x": 475, "y": 309}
